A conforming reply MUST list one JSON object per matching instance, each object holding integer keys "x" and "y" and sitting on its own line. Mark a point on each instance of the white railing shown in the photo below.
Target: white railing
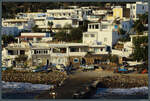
{"x": 121, "y": 53}
{"x": 59, "y": 54}
{"x": 77, "y": 53}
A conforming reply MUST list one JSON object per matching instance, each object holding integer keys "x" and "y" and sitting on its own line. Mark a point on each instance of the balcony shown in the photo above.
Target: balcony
{"x": 77, "y": 53}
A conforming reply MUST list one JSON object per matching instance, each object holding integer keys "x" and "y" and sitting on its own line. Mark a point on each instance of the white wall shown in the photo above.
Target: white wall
{"x": 104, "y": 34}
{"x": 33, "y": 34}
{"x": 137, "y": 8}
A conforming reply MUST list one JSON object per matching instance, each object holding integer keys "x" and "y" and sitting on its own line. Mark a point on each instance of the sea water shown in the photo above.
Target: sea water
{"x": 20, "y": 90}
{"x": 121, "y": 93}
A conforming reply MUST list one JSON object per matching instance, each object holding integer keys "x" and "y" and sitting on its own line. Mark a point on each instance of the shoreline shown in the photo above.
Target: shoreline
{"x": 85, "y": 84}
{"x": 85, "y": 88}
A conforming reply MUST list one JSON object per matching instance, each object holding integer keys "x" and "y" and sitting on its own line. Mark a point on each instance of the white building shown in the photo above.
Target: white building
{"x": 21, "y": 24}
{"x": 58, "y": 23}
{"x": 32, "y": 15}
{"x": 137, "y": 8}
{"x": 35, "y": 37}
{"x": 61, "y": 53}
{"x": 128, "y": 47}
{"x": 12, "y": 51}
{"x": 102, "y": 33}
{"x": 79, "y": 13}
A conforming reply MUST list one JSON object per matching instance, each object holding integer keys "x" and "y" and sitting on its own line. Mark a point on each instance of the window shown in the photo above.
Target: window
{"x": 45, "y": 51}
{"x": 90, "y": 26}
{"x": 76, "y": 60}
{"x": 143, "y": 7}
{"x": 74, "y": 49}
{"x": 10, "y": 52}
{"x": 104, "y": 26}
{"x": 133, "y": 7}
{"x": 86, "y": 35}
{"x": 22, "y": 52}
{"x": 96, "y": 26}
{"x": 92, "y": 35}
{"x": 59, "y": 50}
{"x": 101, "y": 49}
{"x": 105, "y": 39}
{"x": 96, "y": 50}
{"x": 58, "y": 26}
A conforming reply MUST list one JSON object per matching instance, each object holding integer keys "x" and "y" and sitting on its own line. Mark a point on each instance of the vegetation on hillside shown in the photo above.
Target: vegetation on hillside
{"x": 138, "y": 26}
{"x": 8, "y": 39}
{"x": 140, "y": 48}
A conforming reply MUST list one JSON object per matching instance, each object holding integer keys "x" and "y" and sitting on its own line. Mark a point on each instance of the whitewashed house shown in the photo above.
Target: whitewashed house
{"x": 35, "y": 37}
{"x": 137, "y": 8}
{"x": 128, "y": 47}
{"x": 12, "y": 51}
{"x": 78, "y": 13}
{"x": 103, "y": 33}
{"x": 21, "y": 24}
{"x": 58, "y": 23}
{"x": 32, "y": 15}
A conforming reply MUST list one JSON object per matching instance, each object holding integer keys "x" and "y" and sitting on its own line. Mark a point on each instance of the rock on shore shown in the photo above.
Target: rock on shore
{"x": 122, "y": 81}
{"x": 54, "y": 77}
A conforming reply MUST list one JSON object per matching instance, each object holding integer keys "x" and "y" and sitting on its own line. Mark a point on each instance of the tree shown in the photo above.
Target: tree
{"x": 84, "y": 27}
{"x": 121, "y": 31}
{"x": 73, "y": 35}
{"x": 140, "y": 48}
{"x": 35, "y": 29}
{"x": 8, "y": 39}
{"x": 138, "y": 26}
{"x": 76, "y": 34}
{"x": 61, "y": 35}
{"x": 124, "y": 39}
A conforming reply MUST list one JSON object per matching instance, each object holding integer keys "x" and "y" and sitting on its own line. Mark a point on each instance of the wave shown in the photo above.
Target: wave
{"x": 24, "y": 86}
{"x": 137, "y": 92}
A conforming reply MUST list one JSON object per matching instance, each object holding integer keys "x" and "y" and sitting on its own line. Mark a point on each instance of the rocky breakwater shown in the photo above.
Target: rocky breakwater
{"x": 122, "y": 81}
{"x": 54, "y": 77}
{"x": 115, "y": 81}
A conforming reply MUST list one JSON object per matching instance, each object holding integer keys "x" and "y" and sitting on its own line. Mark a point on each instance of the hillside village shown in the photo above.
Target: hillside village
{"x": 76, "y": 36}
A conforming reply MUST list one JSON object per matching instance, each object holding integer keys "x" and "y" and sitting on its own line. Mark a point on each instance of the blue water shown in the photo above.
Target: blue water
{"x": 15, "y": 90}
{"x": 120, "y": 93}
